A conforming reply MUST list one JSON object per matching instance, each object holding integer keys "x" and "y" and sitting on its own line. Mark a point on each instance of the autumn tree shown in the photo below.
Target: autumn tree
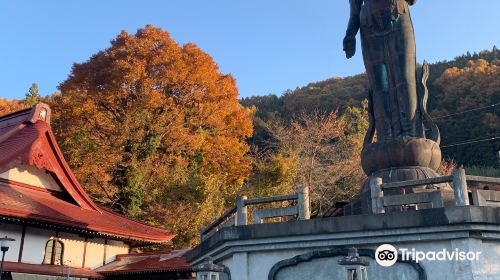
{"x": 317, "y": 150}
{"x": 475, "y": 86}
{"x": 32, "y": 96}
{"x": 7, "y": 106}
{"x": 154, "y": 130}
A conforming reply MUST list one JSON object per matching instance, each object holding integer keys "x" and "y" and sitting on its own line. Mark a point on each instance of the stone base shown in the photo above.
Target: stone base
{"x": 400, "y": 152}
{"x": 362, "y": 203}
{"x": 311, "y": 249}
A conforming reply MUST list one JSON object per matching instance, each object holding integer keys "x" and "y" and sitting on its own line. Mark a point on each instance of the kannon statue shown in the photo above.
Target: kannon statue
{"x": 396, "y": 104}
{"x": 388, "y": 46}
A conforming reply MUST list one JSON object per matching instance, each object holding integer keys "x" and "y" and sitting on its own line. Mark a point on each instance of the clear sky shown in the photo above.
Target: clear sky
{"x": 268, "y": 45}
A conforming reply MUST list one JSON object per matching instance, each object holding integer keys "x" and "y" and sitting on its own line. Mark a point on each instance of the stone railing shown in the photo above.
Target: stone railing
{"x": 435, "y": 198}
{"x": 238, "y": 214}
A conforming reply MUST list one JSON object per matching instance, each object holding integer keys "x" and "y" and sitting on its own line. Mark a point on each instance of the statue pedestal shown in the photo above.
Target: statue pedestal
{"x": 362, "y": 203}
{"x": 401, "y": 159}
{"x": 400, "y": 152}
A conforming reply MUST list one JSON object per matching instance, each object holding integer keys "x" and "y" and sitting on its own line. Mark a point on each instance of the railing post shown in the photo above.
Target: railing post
{"x": 303, "y": 203}
{"x": 241, "y": 212}
{"x": 202, "y": 235}
{"x": 460, "y": 187}
{"x": 437, "y": 200}
{"x": 377, "y": 195}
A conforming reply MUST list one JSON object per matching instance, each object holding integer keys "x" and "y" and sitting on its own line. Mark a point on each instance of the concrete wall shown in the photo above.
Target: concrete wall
{"x": 326, "y": 268}
{"x": 250, "y": 252}
{"x": 257, "y": 264}
{"x": 486, "y": 267}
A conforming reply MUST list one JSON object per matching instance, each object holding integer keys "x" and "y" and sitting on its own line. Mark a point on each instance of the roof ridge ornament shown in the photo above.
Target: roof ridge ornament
{"x": 40, "y": 112}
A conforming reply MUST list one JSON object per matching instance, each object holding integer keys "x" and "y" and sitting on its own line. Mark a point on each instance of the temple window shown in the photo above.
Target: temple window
{"x": 54, "y": 250}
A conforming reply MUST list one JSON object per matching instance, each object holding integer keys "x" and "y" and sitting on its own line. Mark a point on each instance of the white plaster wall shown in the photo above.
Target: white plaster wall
{"x": 115, "y": 248}
{"x": 36, "y": 239}
{"x": 95, "y": 253}
{"x": 32, "y": 176}
{"x": 34, "y": 244}
{"x": 74, "y": 247}
{"x": 24, "y": 276}
{"x": 12, "y": 231}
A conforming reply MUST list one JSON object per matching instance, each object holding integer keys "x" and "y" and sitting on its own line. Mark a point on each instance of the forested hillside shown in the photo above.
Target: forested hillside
{"x": 464, "y": 100}
{"x": 153, "y": 130}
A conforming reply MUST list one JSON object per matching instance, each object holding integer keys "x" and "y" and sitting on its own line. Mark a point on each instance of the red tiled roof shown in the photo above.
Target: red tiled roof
{"x": 54, "y": 270}
{"x": 147, "y": 262}
{"x": 26, "y": 139}
{"x": 39, "y": 205}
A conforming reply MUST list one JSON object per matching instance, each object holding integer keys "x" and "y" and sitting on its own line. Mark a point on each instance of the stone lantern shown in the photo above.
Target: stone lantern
{"x": 355, "y": 266}
{"x": 4, "y": 246}
{"x": 207, "y": 270}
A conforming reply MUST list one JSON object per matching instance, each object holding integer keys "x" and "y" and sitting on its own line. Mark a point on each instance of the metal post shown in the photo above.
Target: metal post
{"x": 1, "y": 265}
{"x": 377, "y": 195}
{"x": 303, "y": 203}
{"x": 460, "y": 187}
{"x": 241, "y": 212}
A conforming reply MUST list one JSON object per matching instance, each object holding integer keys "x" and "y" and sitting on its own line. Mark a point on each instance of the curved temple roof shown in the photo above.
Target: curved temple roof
{"x": 26, "y": 139}
{"x": 148, "y": 263}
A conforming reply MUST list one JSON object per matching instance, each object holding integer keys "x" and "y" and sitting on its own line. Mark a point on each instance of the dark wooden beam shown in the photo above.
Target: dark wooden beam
{"x": 21, "y": 247}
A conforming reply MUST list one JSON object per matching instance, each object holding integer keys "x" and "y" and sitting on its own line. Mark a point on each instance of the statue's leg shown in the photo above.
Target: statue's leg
{"x": 377, "y": 71}
{"x": 402, "y": 45}
{"x": 394, "y": 107}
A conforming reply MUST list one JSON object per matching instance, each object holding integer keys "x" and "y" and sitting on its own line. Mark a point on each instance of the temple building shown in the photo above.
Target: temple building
{"x": 58, "y": 230}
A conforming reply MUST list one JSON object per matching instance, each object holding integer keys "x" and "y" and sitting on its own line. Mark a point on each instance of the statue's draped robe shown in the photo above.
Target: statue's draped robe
{"x": 388, "y": 46}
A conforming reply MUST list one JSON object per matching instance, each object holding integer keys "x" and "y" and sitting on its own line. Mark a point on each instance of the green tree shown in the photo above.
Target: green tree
{"x": 32, "y": 96}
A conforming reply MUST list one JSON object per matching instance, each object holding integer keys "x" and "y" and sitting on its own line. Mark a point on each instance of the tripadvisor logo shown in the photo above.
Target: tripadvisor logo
{"x": 387, "y": 255}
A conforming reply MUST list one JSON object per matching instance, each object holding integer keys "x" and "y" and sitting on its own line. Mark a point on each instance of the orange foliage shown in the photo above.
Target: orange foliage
{"x": 317, "y": 150}
{"x": 147, "y": 121}
{"x": 471, "y": 86}
{"x": 7, "y": 106}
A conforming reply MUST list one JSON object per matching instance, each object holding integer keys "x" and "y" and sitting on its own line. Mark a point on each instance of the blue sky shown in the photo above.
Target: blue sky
{"x": 268, "y": 45}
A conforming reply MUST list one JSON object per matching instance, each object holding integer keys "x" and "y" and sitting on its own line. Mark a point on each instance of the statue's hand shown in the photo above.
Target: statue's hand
{"x": 349, "y": 46}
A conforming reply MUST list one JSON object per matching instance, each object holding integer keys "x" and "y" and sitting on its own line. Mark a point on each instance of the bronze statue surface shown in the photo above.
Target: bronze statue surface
{"x": 402, "y": 141}
{"x": 388, "y": 46}
{"x": 396, "y": 106}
